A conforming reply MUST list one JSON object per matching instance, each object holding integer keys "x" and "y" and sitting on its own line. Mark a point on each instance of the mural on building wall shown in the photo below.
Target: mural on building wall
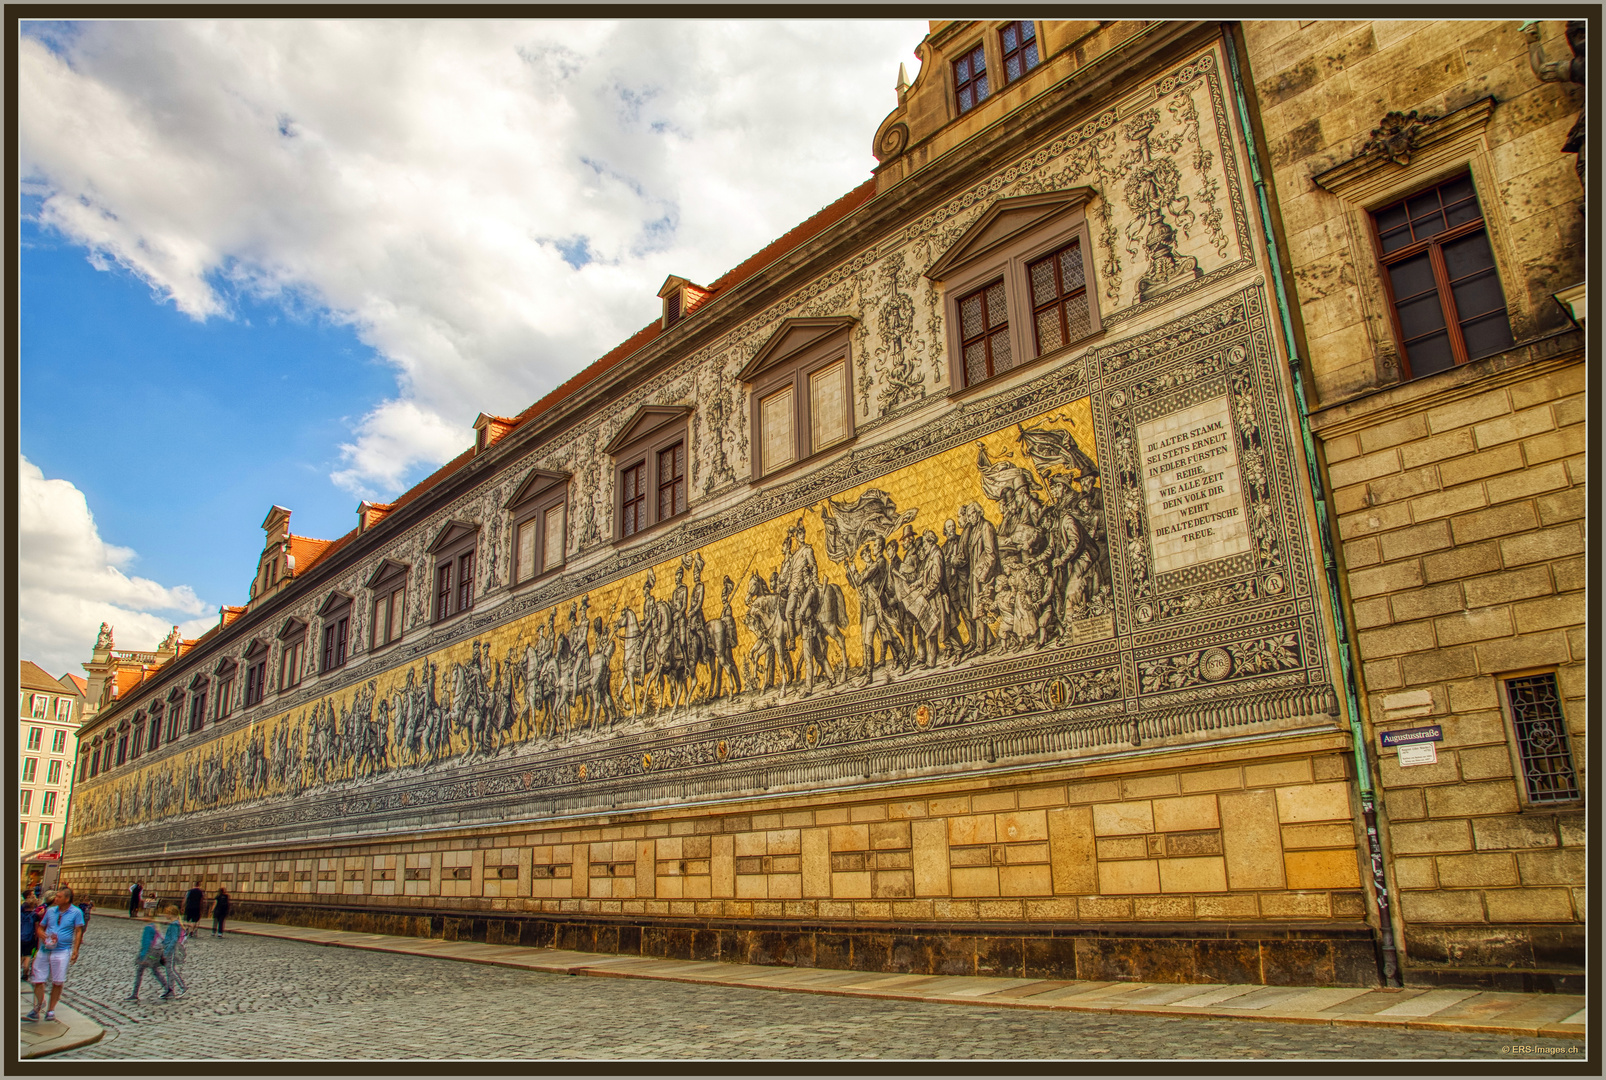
{"x": 1107, "y": 553}
{"x": 993, "y": 548}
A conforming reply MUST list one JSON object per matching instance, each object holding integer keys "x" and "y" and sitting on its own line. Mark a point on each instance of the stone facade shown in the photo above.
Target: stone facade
{"x": 1459, "y": 496}
{"x": 1034, "y": 670}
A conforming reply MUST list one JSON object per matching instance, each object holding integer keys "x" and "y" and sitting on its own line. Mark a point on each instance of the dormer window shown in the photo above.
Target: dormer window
{"x": 488, "y": 429}
{"x": 680, "y": 299}
{"x": 539, "y": 508}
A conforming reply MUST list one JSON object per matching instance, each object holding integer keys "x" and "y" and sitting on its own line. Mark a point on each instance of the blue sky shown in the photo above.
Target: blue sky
{"x": 289, "y": 262}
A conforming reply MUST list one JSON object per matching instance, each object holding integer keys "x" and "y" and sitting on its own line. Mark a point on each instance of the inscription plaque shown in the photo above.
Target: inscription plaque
{"x": 1191, "y": 483}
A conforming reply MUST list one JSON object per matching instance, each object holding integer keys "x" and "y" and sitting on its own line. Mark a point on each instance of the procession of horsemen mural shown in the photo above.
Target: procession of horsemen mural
{"x": 992, "y": 548}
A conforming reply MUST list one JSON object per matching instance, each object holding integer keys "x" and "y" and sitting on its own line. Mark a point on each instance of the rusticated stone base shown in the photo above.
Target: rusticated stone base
{"x": 1278, "y": 955}
{"x": 1533, "y": 959}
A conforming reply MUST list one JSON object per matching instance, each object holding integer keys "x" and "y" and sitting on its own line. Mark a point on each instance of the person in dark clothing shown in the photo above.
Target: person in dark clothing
{"x": 32, "y": 912}
{"x": 220, "y": 910}
{"x": 192, "y": 907}
{"x": 135, "y": 894}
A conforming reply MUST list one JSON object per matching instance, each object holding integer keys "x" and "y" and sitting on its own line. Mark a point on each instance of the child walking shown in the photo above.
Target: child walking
{"x": 150, "y": 959}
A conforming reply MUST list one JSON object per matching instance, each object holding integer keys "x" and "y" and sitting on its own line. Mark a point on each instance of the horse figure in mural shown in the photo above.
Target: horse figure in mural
{"x": 766, "y": 618}
{"x": 627, "y": 628}
{"x": 596, "y": 683}
{"x": 668, "y": 674}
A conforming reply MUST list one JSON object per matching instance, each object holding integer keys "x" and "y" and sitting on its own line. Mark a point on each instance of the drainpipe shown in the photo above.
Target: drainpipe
{"x": 1389, "y": 955}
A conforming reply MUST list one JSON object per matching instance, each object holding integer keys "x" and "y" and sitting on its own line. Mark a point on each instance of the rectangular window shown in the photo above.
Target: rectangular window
{"x": 155, "y": 739}
{"x": 552, "y": 557}
{"x": 1448, "y": 304}
{"x": 780, "y": 444}
{"x": 198, "y": 708}
{"x": 1543, "y": 749}
{"x": 64, "y": 708}
{"x": 390, "y": 602}
{"x": 49, "y": 807}
{"x": 137, "y": 747}
{"x": 828, "y": 406}
{"x": 465, "y": 582}
{"x": 27, "y": 801}
{"x": 970, "y": 79}
{"x": 30, "y": 767}
{"x": 1059, "y": 298}
{"x": 1019, "y": 41}
{"x": 41, "y": 704}
{"x": 225, "y": 698}
{"x": 290, "y": 664}
{"x": 525, "y": 554}
{"x": 35, "y": 736}
{"x": 53, "y": 773}
{"x": 443, "y": 591}
{"x": 634, "y": 494}
{"x": 122, "y": 748}
{"x": 256, "y": 677}
{"x": 58, "y": 742}
{"x": 173, "y": 711}
{"x": 334, "y": 642}
{"x": 94, "y": 762}
{"x": 44, "y": 836}
{"x": 984, "y": 333}
{"x": 672, "y": 481}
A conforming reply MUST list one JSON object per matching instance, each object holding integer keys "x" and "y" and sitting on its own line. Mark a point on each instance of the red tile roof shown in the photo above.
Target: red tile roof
{"x": 743, "y": 270}
{"x": 79, "y": 682}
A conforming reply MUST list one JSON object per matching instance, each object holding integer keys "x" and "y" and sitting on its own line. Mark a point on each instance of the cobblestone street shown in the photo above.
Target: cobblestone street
{"x": 264, "y": 998}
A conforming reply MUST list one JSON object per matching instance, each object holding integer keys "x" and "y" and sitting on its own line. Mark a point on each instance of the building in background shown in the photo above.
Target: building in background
{"x": 50, "y": 712}
{"x": 950, "y": 586}
{"x": 1428, "y": 175}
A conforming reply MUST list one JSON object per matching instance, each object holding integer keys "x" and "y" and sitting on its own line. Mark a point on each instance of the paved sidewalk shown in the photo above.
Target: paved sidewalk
{"x": 1531, "y": 1015}
{"x": 68, "y": 1031}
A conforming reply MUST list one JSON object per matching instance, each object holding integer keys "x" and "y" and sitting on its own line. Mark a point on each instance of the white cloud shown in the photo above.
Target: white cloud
{"x": 490, "y": 205}
{"x": 71, "y": 581}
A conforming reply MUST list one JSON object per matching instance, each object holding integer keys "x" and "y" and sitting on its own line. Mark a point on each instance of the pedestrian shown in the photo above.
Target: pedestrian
{"x": 192, "y": 908}
{"x": 60, "y": 935}
{"x": 150, "y": 959}
{"x": 173, "y": 951}
{"x": 135, "y": 895}
{"x": 220, "y": 910}
{"x": 31, "y": 914}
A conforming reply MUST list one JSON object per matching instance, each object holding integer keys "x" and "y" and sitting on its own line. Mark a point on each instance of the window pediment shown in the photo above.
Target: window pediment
{"x": 387, "y": 570}
{"x": 648, "y": 421}
{"x": 453, "y": 532}
{"x": 257, "y": 648}
{"x": 790, "y": 338}
{"x": 334, "y": 602}
{"x": 291, "y": 627}
{"x": 1002, "y": 223}
{"x": 538, "y": 483}
{"x": 199, "y": 681}
{"x": 223, "y": 667}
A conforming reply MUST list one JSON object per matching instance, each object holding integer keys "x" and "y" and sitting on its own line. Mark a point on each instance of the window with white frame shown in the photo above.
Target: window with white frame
{"x": 58, "y": 742}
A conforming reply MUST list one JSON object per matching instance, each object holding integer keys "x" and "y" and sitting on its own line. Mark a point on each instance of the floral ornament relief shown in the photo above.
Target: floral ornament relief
{"x": 1187, "y": 114}
{"x": 1153, "y": 191}
{"x": 897, "y": 355}
{"x": 1396, "y": 136}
